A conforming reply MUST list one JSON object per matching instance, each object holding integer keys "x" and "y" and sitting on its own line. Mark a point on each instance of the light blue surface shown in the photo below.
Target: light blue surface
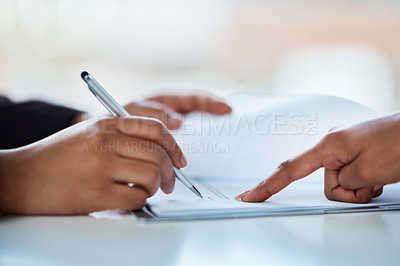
{"x": 335, "y": 239}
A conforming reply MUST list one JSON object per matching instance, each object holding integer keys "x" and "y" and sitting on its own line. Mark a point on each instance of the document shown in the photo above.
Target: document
{"x": 230, "y": 154}
{"x": 301, "y": 197}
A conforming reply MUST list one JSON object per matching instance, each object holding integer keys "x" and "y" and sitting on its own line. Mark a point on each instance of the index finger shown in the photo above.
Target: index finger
{"x": 286, "y": 173}
{"x": 153, "y": 130}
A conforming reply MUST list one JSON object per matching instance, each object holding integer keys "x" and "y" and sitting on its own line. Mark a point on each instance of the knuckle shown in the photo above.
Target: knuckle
{"x": 336, "y": 138}
{"x": 101, "y": 122}
{"x": 329, "y": 194}
{"x": 265, "y": 189}
{"x": 129, "y": 125}
{"x": 157, "y": 128}
{"x": 161, "y": 114}
{"x": 284, "y": 166}
{"x": 99, "y": 137}
{"x": 155, "y": 123}
{"x": 105, "y": 126}
{"x": 285, "y": 169}
{"x": 333, "y": 144}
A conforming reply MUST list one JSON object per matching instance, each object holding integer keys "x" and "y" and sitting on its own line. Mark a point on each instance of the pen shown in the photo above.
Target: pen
{"x": 117, "y": 110}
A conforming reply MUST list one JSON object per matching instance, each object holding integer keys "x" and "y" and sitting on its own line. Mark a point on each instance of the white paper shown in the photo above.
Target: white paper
{"x": 262, "y": 131}
{"x": 255, "y": 142}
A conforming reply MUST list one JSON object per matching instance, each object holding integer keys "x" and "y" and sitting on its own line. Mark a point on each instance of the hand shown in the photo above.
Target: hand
{"x": 87, "y": 167}
{"x": 169, "y": 108}
{"x": 358, "y": 162}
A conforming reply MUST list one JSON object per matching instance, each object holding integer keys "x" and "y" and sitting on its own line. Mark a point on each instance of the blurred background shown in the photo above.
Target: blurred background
{"x": 346, "y": 48}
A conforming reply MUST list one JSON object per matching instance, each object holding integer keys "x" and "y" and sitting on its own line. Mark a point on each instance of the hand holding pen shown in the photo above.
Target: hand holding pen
{"x": 117, "y": 110}
{"x": 79, "y": 170}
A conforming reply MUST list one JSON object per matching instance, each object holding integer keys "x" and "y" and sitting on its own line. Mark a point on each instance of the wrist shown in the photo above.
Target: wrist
{"x": 13, "y": 173}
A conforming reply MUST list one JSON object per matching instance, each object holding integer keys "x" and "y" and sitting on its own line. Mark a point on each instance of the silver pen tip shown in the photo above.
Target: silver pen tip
{"x": 195, "y": 191}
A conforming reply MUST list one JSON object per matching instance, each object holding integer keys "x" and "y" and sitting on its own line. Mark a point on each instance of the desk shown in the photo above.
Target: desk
{"x": 341, "y": 239}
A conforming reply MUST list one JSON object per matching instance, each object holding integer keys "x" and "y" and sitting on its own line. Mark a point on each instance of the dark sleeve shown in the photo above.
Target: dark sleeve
{"x": 26, "y": 122}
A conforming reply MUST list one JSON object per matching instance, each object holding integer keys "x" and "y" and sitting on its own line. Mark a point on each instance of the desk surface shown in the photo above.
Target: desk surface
{"x": 345, "y": 239}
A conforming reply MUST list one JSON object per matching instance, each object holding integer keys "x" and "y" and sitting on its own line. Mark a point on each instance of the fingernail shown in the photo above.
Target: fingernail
{"x": 227, "y": 109}
{"x": 174, "y": 120}
{"x": 222, "y": 108}
{"x": 183, "y": 160}
{"x": 376, "y": 188}
{"x": 242, "y": 195}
